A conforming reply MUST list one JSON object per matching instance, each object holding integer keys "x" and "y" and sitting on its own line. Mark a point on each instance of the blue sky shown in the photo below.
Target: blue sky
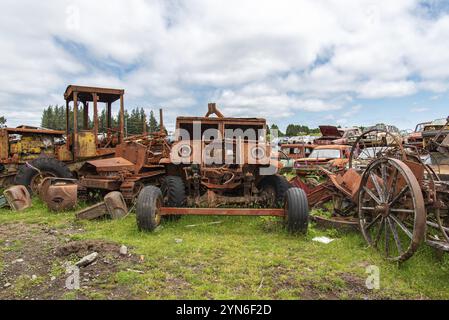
{"x": 305, "y": 62}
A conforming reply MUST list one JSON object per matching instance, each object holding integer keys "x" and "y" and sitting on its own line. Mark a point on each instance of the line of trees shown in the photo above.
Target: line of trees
{"x": 2, "y": 122}
{"x": 295, "y": 130}
{"x": 54, "y": 117}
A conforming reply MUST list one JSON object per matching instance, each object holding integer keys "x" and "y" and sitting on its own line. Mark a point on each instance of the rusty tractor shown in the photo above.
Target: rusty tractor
{"x": 394, "y": 193}
{"x": 221, "y": 166}
{"x": 28, "y": 155}
{"x": 137, "y": 162}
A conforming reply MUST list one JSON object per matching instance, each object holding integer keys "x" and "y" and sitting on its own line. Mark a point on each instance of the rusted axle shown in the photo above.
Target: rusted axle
{"x": 163, "y": 211}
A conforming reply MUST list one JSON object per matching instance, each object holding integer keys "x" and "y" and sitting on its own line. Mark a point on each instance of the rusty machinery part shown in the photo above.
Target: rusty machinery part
{"x": 150, "y": 210}
{"x": 113, "y": 206}
{"x": 33, "y": 173}
{"x": 391, "y": 209}
{"x": 18, "y": 198}
{"x": 116, "y": 205}
{"x": 60, "y": 194}
{"x": 373, "y": 144}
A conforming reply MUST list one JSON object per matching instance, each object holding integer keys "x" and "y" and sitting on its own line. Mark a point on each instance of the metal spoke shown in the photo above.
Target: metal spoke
{"x": 399, "y": 195}
{"x": 403, "y": 210}
{"x": 372, "y": 195}
{"x": 393, "y": 185}
{"x": 368, "y": 208}
{"x": 381, "y": 225}
{"x": 387, "y": 238}
{"x": 383, "y": 172}
{"x": 376, "y": 184}
{"x": 402, "y": 226}
{"x": 372, "y": 222}
{"x": 395, "y": 236}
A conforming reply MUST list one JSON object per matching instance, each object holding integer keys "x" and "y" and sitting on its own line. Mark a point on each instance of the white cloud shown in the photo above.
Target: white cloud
{"x": 275, "y": 58}
{"x": 419, "y": 109}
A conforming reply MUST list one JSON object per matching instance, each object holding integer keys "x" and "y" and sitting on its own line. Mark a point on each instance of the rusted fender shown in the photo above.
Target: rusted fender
{"x": 18, "y": 197}
{"x": 59, "y": 194}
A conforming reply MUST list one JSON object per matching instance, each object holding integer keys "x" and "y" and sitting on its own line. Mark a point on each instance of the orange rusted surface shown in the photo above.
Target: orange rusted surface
{"x": 18, "y": 198}
{"x": 59, "y": 194}
{"x": 221, "y": 211}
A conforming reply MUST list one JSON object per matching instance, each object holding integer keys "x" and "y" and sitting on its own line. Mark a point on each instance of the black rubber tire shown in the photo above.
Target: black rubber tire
{"x": 146, "y": 208}
{"x": 297, "y": 210}
{"x": 174, "y": 192}
{"x": 26, "y": 174}
{"x": 280, "y": 185}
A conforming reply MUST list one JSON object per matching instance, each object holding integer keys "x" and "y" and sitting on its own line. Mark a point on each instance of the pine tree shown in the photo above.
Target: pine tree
{"x": 153, "y": 126}
{"x": 2, "y": 122}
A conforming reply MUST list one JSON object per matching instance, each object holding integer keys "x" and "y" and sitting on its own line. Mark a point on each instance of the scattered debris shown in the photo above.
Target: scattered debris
{"x": 202, "y": 224}
{"x": 53, "y": 278}
{"x": 59, "y": 194}
{"x": 123, "y": 250}
{"x": 33, "y": 277}
{"x": 113, "y": 206}
{"x": 136, "y": 271}
{"x": 87, "y": 260}
{"x": 17, "y": 261}
{"x": 18, "y": 197}
{"x": 178, "y": 240}
{"x": 324, "y": 240}
{"x": 7, "y": 285}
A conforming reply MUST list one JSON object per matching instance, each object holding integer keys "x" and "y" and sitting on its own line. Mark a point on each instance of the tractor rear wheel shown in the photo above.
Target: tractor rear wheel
{"x": 274, "y": 188}
{"x": 296, "y": 210}
{"x": 148, "y": 205}
{"x": 174, "y": 194}
{"x": 32, "y": 173}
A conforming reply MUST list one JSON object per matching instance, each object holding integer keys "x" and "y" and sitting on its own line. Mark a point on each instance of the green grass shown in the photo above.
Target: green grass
{"x": 247, "y": 258}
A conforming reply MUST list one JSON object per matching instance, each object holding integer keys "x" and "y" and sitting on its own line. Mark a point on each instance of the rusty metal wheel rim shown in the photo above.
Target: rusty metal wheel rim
{"x": 157, "y": 210}
{"x": 395, "y": 144}
{"x": 37, "y": 180}
{"x": 382, "y": 212}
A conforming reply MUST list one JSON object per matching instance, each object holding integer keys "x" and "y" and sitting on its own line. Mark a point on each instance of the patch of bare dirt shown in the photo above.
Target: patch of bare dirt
{"x": 353, "y": 288}
{"x": 34, "y": 260}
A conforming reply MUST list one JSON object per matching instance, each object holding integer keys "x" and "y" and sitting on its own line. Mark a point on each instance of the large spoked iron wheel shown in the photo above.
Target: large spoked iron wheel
{"x": 391, "y": 209}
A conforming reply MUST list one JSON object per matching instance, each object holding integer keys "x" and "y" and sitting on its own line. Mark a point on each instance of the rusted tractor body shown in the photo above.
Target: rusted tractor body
{"x": 135, "y": 164}
{"x": 21, "y": 145}
{"x": 397, "y": 198}
{"x": 28, "y": 155}
{"x": 220, "y": 166}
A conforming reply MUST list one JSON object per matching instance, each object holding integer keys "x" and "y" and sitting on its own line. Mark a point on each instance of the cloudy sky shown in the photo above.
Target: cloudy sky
{"x": 347, "y": 62}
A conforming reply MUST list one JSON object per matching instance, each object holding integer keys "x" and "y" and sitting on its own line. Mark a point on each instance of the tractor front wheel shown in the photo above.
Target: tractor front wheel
{"x": 148, "y": 207}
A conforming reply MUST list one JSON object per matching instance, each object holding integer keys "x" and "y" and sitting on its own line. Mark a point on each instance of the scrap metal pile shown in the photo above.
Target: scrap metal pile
{"x": 206, "y": 171}
{"x": 395, "y": 190}
{"x": 396, "y": 194}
